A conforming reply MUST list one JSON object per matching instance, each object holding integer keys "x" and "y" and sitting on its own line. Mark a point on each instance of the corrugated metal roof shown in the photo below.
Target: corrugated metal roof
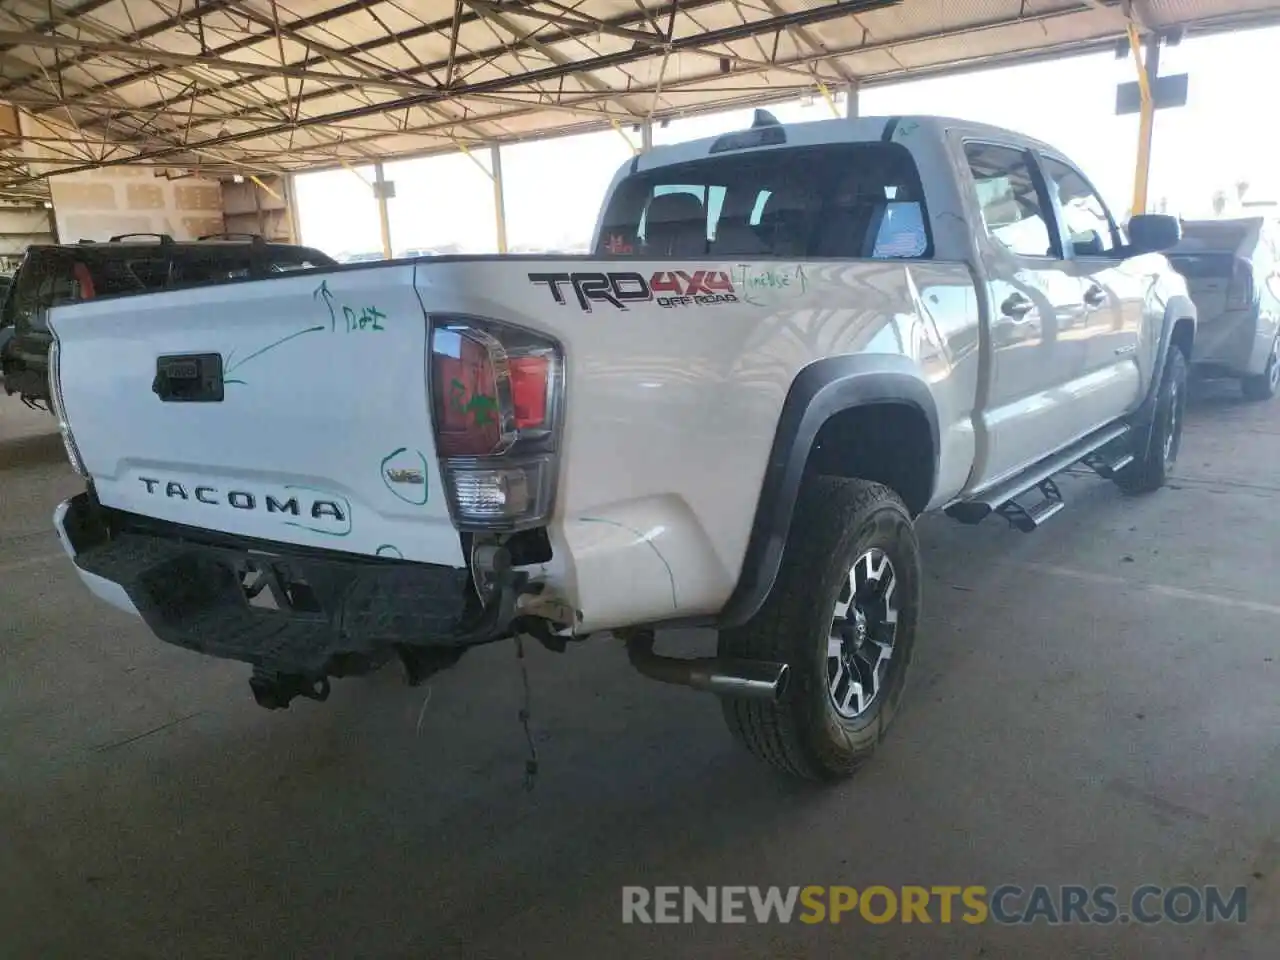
{"x": 273, "y": 85}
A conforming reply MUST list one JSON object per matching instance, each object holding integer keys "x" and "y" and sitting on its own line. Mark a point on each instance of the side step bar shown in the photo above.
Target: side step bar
{"x": 1027, "y": 519}
{"x": 1003, "y": 497}
{"x": 1104, "y": 466}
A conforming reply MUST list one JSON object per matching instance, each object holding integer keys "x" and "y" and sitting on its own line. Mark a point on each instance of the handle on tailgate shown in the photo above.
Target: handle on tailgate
{"x": 189, "y": 378}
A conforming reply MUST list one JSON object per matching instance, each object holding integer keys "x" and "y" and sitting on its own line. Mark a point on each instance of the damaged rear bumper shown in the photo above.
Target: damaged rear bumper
{"x": 283, "y": 609}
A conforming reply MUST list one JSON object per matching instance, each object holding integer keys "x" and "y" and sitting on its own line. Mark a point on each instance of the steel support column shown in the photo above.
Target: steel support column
{"x": 291, "y": 207}
{"x": 646, "y": 136}
{"x": 1148, "y": 69}
{"x": 851, "y": 101}
{"x": 499, "y": 201}
{"x": 384, "y": 219}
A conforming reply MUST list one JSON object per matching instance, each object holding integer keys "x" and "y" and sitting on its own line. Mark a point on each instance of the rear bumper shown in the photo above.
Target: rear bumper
{"x": 1236, "y": 343}
{"x": 317, "y": 610}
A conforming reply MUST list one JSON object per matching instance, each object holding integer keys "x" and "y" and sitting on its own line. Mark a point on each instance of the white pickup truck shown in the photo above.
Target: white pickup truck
{"x": 788, "y": 343}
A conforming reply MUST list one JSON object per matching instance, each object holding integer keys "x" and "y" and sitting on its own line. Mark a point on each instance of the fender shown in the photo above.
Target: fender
{"x": 1178, "y": 308}
{"x": 821, "y": 390}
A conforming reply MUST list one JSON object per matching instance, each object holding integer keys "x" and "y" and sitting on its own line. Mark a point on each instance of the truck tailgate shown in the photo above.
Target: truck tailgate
{"x": 320, "y": 434}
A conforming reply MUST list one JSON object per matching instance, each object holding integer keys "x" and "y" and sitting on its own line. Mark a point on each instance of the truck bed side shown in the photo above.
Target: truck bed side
{"x": 672, "y": 403}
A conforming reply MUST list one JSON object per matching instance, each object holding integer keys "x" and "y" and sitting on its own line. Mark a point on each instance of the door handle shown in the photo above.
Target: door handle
{"x": 1095, "y": 296}
{"x": 1016, "y": 307}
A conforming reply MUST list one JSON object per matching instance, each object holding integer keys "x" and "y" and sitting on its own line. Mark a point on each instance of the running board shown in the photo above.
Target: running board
{"x": 1027, "y": 519}
{"x": 1107, "y": 467}
{"x": 1002, "y": 498}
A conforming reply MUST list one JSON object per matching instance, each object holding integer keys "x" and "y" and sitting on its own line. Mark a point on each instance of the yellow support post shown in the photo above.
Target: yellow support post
{"x": 1147, "y": 72}
{"x": 831, "y": 101}
{"x": 494, "y": 173}
{"x": 499, "y": 201}
{"x": 384, "y": 219}
{"x": 258, "y": 180}
{"x": 635, "y": 151}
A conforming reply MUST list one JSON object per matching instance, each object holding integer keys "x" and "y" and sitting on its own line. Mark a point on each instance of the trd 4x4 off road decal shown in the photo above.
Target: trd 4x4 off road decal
{"x": 668, "y": 288}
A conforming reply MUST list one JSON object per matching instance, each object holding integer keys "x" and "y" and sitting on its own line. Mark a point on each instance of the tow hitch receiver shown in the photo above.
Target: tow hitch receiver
{"x": 275, "y": 690}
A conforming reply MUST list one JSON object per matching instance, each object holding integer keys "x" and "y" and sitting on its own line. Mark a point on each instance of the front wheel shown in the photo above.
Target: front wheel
{"x": 1264, "y": 385}
{"x": 1152, "y": 465}
{"x": 842, "y": 614}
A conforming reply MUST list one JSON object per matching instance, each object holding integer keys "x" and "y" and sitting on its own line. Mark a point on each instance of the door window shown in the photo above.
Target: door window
{"x": 1089, "y": 226}
{"x": 1013, "y": 207}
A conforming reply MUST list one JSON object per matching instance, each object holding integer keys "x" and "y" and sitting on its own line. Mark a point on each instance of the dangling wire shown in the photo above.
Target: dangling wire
{"x": 531, "y": 764}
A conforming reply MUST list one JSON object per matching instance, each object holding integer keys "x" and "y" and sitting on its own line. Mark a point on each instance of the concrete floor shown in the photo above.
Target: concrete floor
{"x": 1096, "y": 703}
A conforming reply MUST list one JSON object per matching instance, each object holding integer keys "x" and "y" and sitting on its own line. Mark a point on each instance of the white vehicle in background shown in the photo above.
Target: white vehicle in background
{"x": 787, "y": 344}
{"x": 1233, "y": 274}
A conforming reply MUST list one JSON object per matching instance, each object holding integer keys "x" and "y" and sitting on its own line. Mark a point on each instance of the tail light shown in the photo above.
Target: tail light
{"x": 1240, "y": 290}
{"x": 496, "y": 393}
{"x": 59, "y": 408}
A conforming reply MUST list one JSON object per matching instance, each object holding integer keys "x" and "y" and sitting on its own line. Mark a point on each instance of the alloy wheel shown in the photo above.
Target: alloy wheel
{"x": 864, "y": 626}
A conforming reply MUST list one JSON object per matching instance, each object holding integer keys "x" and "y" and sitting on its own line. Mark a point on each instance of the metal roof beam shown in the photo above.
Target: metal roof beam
{"x": 79, "y": 10}
{"x": 470, "y": 59}
{"x": 1126, "y": 11}
{"x": 693, "y": 44}
{"x": 591, "y": 24}
{"x": 806, "y": 37}
{"x": 201, "y": 8}
{"x": 334, "y": 13}
{"x": 130, "y": 51}
{"x": 830, "y": 11}
{"x": 555, "y": 56}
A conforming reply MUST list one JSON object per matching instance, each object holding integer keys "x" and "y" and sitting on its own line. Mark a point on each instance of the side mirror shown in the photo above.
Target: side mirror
{"x": 1153, "y": 232}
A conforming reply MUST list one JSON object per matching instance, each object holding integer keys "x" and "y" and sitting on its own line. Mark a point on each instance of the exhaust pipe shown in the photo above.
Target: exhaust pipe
{"x": 748, "y": 679}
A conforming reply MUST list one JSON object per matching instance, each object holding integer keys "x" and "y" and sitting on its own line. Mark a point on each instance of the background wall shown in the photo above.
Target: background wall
{"x": 20, "y": 226}
{"x": 100, "y": 204}
{"x": 258, "y": 206}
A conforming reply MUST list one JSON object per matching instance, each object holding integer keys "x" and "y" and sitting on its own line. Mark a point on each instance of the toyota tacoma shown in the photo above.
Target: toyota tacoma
{"x": 787, "y": 344}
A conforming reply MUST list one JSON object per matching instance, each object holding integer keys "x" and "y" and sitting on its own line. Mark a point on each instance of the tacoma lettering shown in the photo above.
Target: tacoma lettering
{"x": 275, "y": 506}
{"x": 246, "y": 500}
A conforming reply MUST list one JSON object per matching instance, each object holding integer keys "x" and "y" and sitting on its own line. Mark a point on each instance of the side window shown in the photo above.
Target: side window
{"x": 62, "y": 287}
{"x": 1013, "y": 208}
{"x": 32, "y": 294}
{"x": 1089, "y": 226}
{"x": 20, "y": 305}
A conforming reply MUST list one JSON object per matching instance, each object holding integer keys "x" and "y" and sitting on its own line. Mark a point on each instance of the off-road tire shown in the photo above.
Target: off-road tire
{"x": 1152, "y": 464}
{"x": 836, "y": 522}
{"x": 1266, "y": 384}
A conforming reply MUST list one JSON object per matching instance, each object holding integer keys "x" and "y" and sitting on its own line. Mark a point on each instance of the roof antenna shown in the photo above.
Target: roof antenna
{"x": 763, "y": 118}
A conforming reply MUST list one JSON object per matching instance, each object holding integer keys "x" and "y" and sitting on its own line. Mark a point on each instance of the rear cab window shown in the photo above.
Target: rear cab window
{"x": 859, "y": 200}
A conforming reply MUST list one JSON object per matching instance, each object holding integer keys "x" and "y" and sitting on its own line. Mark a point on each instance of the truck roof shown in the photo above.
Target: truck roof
{"x": 839, "y": 130}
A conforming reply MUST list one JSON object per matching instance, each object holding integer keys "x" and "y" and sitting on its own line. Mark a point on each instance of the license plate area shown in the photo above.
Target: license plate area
{"x": 189, "y": 378}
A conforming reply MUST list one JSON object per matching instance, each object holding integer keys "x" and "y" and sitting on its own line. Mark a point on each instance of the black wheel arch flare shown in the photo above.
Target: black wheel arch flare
{"x": 820, "y": 391}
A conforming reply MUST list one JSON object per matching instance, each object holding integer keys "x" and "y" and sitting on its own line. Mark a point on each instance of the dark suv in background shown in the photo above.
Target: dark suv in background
{"x": 52, "y": 275}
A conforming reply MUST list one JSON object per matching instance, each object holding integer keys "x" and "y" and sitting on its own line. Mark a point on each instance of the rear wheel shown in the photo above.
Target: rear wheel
{"x": 1151, "y": 467}
{"x": 1265, "y": 385}
{"x": 842, "y": 614}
